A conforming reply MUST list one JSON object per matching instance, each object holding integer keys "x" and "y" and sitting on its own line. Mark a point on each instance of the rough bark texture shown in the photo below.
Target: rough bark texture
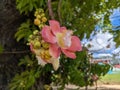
{"x": 10, "y": 20}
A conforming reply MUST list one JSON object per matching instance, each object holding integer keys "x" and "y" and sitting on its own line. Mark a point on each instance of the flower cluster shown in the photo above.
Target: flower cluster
{"x": 40, "y": 19}
{"x": 52, "y": 40}
{"x": 39, "y": 47}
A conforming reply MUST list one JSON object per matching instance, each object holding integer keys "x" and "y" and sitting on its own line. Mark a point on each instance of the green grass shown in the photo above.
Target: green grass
{"x": 110, "y": 79}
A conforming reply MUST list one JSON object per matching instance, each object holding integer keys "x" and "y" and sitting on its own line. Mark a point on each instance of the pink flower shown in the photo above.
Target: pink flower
{"x": 60, "y": 40}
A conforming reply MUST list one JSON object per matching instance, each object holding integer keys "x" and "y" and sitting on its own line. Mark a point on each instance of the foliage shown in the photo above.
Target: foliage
{"x": 24, "y": 31}
{"x": 26, "y": 61}
{"x": 116, "y": 37}
{"x": 77, "y": 15}
{"x": 27, "y": 78}
{"x": 26, "y": 6}
{"x": 24, "y": 80}
{"x": 82, "y": 75}
{"x": 81, "y": 16}
{"x": 103, "y": 69}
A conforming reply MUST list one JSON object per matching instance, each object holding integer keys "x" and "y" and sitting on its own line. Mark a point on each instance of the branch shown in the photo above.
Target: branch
{"x": 50, "y": 9}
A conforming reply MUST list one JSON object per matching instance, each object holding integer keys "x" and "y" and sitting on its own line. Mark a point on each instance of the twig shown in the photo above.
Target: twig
{"x": 59, "y": 4}
{"x": 50, "y": 9}
{"x": 15, "y": 52}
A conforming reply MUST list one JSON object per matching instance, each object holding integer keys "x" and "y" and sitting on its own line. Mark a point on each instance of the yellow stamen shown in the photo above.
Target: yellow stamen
{"x": 45, "y": 45}
{"x": 64, "y": 38}
{"x": 60, "y": 39}
{"x": 45, "y": 55}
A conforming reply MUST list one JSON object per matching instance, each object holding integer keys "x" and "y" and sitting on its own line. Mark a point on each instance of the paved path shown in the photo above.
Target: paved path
{"x": 100, "y": 87}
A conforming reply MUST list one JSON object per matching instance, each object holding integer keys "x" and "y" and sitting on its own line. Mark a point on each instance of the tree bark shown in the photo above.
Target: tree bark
{"x": 10, "y": 20}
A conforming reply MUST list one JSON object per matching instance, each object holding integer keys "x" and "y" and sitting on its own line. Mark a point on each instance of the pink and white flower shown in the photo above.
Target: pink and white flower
{"x": 61, "y": 40}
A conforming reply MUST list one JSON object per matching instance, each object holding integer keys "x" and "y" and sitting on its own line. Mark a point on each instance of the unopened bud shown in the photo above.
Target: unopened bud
{"x": 36, "y": 21}
{"x": 44, "y": 19}
{"x": 35, "y": 32}
{"x": 37, "y": 44}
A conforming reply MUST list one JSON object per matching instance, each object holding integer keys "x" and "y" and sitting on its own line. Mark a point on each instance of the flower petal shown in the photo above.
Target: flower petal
{"x": 69, "y": 53}
{"x": 37, "y": 51}
{"x": 47, "y": 35}
{"x": 75, "y": 45}
{"x": 63, "y": 28}
{"x": 55, "y": 63}
{"x": 31, "y": 48}
{"x": 55, "y": 26}
{"x": 54, "y": 50}
{"x": 40, "y": 61}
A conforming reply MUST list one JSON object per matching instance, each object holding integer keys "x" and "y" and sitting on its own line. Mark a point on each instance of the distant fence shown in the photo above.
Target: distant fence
{"x": 100, "y": 61}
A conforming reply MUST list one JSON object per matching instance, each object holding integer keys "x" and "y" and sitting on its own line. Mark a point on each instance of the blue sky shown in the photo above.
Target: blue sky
{"x": 115, "y": 17}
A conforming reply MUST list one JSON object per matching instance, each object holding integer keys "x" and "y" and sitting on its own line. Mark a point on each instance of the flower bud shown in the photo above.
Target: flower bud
{"x": 30, "y": 36}
{"x": 44, "y": 19}
{"x": 40, "y": 26}
{"x": 35, "y": 32}
{"x": 42, "y": 15}
{"x": 36, "y": 21}
{"x": 37, "y": 44}
{"x": 38, "y": 16}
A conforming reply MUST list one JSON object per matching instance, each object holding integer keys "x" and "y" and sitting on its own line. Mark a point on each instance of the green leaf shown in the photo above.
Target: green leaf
{"x": 24, "y": 31}
{"x": 26, "y": 61}
{"x": 24, "y": 81}
{"x": 26, "y": 6}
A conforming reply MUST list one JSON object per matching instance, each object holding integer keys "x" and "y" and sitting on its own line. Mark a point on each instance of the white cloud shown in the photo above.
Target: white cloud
{"x": 100, "y": 42}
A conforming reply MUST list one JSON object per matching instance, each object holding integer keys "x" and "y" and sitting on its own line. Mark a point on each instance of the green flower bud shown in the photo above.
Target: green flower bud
{"x": 41, "y": 26}
{"x": 30, "y": 36}
{"x": 44, "y": 19}
{"x": 36, "y": 13}
{"x": 36, "y": 39}
{"x": 37, "y": 44}
{"x": 38, "y": 16}
{"x": 42, "y": 15}
{"x": 41, "y": 10}
{"x": 35, "y": 32}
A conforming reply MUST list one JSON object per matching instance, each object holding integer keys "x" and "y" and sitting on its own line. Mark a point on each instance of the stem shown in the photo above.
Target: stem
{"x": 59, "y": 4}
{"x": 50, "y": 9}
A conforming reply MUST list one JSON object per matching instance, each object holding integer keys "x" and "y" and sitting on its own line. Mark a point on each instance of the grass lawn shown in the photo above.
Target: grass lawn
{"x": 110, "y": 79}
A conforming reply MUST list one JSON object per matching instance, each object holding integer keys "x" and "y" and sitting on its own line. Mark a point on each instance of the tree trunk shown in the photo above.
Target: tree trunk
{"x": 10, "y": 20}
